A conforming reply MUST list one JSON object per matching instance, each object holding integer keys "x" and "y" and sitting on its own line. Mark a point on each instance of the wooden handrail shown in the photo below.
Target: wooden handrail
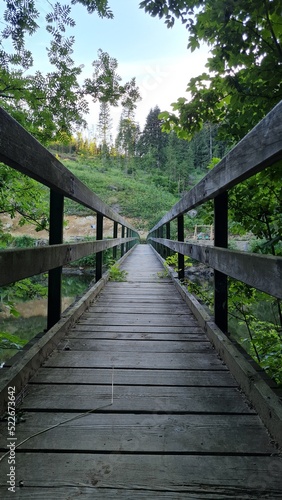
{"x": 263, "y": 272}
{"x": 25, "y": 262}
{"x": 21, "y": 151}
{"x": 259, "y": 149}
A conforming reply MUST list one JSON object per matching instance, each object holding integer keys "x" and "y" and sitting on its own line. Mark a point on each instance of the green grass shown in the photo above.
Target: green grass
{"x": 135, "y": 196}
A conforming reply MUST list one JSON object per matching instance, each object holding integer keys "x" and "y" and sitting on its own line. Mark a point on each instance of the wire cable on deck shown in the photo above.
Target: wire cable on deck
{"x": 81, "y": 415}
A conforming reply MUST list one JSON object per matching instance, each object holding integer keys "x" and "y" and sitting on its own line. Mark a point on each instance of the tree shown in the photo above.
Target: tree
{"x": 127, "y": 137}
{"x": 52, "y": 106}
{"x": 104, "y": 126}
{"x": 48, "y": 105}
{"x": 129, "y": 130}
{"x": 153, "y": 141}
{"x": 245, "y": 67}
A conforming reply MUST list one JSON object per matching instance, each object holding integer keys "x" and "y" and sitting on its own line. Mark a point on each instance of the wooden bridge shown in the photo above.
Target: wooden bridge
{"x": 135, "y": 392}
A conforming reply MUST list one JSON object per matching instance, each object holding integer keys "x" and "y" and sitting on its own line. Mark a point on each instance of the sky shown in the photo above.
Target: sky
{"x": 143, "y": 46}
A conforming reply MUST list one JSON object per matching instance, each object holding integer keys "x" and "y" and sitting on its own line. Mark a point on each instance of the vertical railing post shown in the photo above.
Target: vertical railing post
{"x": 167, "y": 227}
{"x": 180, "y": 237}
{"x": 99, "y": 255}
{"x": 122, "y": 245}
{"x": 220, "y": 279}
{"x": 128, "y": 236}
{"x": 161, "y": 235}
{"x": 157, "y": 236}
{"x": 115, "y": 234}
{"x": 54, "y": 308}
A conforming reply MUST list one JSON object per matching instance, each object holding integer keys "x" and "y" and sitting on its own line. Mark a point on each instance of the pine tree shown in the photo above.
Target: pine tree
{"x": 152, "y": 143}
{"x": 104, "y": 126}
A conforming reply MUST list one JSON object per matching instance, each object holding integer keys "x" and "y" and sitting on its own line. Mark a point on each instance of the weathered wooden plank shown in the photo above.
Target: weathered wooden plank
{"x": 106, "y": 476}
{"x": 138, "y": 298}
{"x": 135, "y": 346}
{"x": 181, "y": 361}
{"x": 91, "y": 326}
{"x": 141, "y": 319}
{"x": 109, "y": 493}
{"x": 136, "y": 398}
{"x": 216, "y": 378}
{"x": 131, "y": 301}
{"x": 260, "y": 148}
{"x": 177, "y": 309}
{"x": 143, "y": 433}
{"x": 263, "y": 272}
{"x": 21, "y": 151}
{"x": 195, "y": 335}
{"x": 18, "y": 264}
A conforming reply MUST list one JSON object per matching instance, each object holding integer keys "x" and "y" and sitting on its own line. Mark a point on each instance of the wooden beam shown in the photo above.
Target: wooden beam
{"x": 99, "y": 255}
{"x": 221, "y": 279}
{"x": 115, "y": 235}
{"x": 19, "y": 150}
{"x": 18, "y": 264}
{"x": 180, "y": 233}
{"x": 263, "y": 272}
{"x": 54, "y": 307}
{"x": 122, "y": 245}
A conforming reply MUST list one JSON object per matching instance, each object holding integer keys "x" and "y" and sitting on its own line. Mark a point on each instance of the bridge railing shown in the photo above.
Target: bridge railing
{"x": 260, "y": 149}
{"x": 21, "y": 151}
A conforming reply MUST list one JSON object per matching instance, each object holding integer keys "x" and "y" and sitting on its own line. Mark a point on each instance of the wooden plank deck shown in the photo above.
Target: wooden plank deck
{"x": 165, "y": 418}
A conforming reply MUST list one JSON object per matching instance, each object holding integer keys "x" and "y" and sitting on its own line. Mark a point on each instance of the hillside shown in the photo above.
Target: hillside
{"x": 138, "y": 196}
{"x": 133, "y": 193}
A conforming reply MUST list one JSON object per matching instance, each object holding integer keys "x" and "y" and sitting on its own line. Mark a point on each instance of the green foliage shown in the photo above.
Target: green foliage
{"x": 138, "y": 197}
{"x": 23, "y": 241}
{"x": 265, "y": 346}
{"x": 28, "y": 288}
{"x": 6, "y": 239}
{"x": 21, "y": 195}
{"x": 152, "y": 142}
{"x": 261, "y": 338}
{"x": 165, "y": 272}
{"x": 8, "y": 341}
{"x": 54, "y": 104}
{"x": 243, "y": 81}
{"x": 256, "y": 206}
{"x": 117, "y": 274}
{"x": 172, "y": 260}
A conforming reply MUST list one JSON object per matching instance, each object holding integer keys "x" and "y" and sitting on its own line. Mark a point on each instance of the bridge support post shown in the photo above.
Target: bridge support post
{"x": 220, "y": 279}
{"x": 128, "y": 232}
{"x": 99, "y": 255}
{"x": 54, "y": 307}
{"x": 161, "y": 247}
{"x": 180, "y": 236}
{"x": 115, "y": 235}
{"x": 167, "y": 226}
{"x": 122, "y": 245}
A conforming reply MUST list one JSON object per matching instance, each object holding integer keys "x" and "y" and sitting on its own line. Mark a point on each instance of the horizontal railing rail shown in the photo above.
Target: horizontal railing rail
{"x": 21, "y": 151}
{"x": 263, "y": 272}
{"x": 23, "y": 263}
{"x": 260, "y": 149}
